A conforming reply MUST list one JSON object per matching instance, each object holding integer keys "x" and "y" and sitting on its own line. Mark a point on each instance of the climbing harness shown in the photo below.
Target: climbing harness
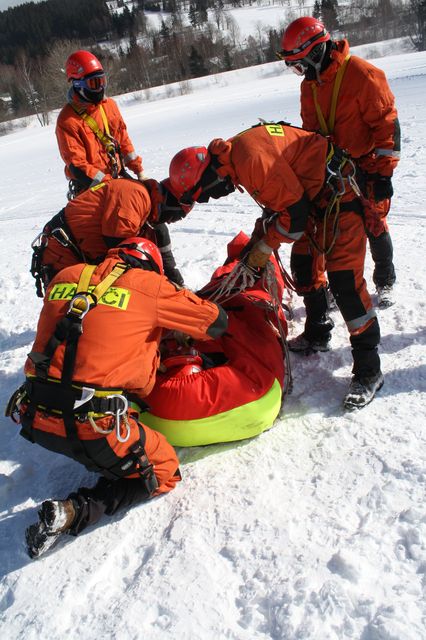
{"x": 111, "y": 145}
{"x": 76, "y": 402}
{"x": 340, "y": 178}
{"x": 58, "y": 229}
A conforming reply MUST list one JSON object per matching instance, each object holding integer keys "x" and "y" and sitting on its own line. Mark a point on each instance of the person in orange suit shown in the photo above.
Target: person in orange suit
{"x": 91, "y": 133}
{"x": 94, "y": 143}
{"x": 349, "y": 99}
{"x": 98, "y": 219}
{"x": 308, "y": 190}
{"x": 97, "y": 347}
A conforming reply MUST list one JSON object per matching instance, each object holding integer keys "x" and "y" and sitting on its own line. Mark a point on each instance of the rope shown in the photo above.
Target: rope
{"x": 239, "y": 279}
{"x": 243, "y": 277}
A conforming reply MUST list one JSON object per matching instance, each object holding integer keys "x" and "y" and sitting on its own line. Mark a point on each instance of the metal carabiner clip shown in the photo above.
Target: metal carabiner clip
{"x": 39, "y": 241}
{"x": 118, "y": 414}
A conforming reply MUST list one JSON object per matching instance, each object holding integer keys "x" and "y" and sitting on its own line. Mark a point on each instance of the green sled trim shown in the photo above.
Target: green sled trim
{"x": 242, "y": 422}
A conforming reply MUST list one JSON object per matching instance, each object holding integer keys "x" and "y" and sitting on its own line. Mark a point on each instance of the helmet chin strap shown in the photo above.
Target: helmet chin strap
{"x": 316, "y": 65}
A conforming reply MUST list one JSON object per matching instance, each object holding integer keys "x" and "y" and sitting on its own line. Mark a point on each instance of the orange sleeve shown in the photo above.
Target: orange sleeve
{"x": 118, "y": 126}
{"x": 184, "y": 311}
{"x": 377, "y": 106}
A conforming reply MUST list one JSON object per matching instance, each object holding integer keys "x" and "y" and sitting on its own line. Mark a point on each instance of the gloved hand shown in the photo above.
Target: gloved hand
{"x": 142, "y": 176}
{"x": 259, "y": 255}
{"x": 381, "y": 186}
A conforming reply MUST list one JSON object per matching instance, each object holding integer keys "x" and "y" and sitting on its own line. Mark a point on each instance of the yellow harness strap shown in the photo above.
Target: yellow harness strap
{"x": 328, "y": 127}
{"x": 80, "y": 303}
{"x": 104, "y": 136}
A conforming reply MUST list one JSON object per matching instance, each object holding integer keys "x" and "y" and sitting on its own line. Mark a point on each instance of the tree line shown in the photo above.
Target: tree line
{"x": 36, "y": 39}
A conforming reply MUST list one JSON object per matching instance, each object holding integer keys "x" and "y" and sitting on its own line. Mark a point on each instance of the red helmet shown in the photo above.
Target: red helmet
{"x": 81, "y": 64}
{"x": 143, "y": 250}
{"x": 185, "y": 172}
{"x": 301, "y": 36}
{"x": 183, "y": 365}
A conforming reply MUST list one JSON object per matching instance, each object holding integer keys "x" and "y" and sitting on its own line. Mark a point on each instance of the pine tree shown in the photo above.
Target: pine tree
{"x": 316, "y": 12}
{"x": 329, "y": 14}
{"x": 196, "y": 64}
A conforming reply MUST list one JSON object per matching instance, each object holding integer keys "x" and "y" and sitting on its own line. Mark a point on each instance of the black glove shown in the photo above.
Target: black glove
{"x": 382, "y": 187}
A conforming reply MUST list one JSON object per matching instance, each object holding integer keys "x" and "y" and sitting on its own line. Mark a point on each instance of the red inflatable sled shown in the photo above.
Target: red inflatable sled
{"x": 233, "y": 387}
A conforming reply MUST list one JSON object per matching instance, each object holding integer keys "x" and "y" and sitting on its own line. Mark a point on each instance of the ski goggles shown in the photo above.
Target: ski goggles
{"x": 95, "y": 82}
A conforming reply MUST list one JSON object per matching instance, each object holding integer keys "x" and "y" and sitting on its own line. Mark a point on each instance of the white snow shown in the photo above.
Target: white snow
{"x": 315, "y": 530}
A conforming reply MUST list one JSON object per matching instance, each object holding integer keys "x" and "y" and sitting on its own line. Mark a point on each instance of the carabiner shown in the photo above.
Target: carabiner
{"x": 40, "y": 241}
{"x": 118, "y": 414}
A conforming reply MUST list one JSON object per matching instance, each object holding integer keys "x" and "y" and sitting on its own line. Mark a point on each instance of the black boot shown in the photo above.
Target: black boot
{"x": 382, "y": 253}
{"x": 55, "y": 518}
{"x": 318, "y": 325}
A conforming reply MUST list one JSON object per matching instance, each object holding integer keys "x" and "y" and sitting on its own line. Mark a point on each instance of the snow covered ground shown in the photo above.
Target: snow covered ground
{"x": 315, "y": 530}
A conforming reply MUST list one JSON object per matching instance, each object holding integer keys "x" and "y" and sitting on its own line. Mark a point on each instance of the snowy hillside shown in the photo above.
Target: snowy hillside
{"x": 315, "y": 530}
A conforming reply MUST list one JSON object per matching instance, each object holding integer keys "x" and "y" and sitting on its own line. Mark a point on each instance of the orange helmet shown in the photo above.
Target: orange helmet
{"x": 303, "y": 45}
{"x": 146, "y": 253}
{"x": 82, "y": 63}
{"x": 185, "y": 173}
{"x": 301, "y": 36}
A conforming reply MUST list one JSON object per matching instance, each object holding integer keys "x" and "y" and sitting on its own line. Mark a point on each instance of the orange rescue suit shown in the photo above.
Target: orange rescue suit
{"x": 283, "y": 168}
{"x": 80, "y": 148}
{"x": 119, "y": 344}
{"x": 366, "y": 120}
{"x": 114, "y": 209}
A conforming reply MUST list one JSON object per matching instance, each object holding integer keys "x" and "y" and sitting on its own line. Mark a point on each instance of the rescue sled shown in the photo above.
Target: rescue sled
{"x": 230, "y": 388}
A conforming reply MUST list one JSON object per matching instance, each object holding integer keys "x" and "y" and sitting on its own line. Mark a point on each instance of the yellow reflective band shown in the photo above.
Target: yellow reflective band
{"x": 113, "y": 297}
{"x": 242, "y": 422}
{"x": 97, "y": 186}
{"x": 275, "y": 130}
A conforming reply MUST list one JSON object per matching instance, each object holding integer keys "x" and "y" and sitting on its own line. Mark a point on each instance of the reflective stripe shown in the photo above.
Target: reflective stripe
{"x": 293, "y": 236}
{"x": 388, "y": 152}
{"x": 130, "y": 156}
{"x": 357, "y": 323}
{"x": 244, "y": 421}
{"x": 166, "y": 248}
{"x": 97, "y": 179}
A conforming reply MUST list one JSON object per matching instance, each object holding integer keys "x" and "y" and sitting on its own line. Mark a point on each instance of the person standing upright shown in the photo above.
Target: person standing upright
{"x": 349, "y": 99}
{"x": 92, "y": 135}
{"x": 94, "y": 143}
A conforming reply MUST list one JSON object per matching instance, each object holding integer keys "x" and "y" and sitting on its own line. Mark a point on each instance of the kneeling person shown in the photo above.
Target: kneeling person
{"x": 75, "y": 398}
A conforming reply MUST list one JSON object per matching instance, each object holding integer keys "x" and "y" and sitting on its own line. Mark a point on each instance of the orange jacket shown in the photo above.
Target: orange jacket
{"x": 118, "y": 348}
{"x": 281, "y": 167}
{"x": 84, "y": 154}
{"x": 366, "y": 121}
{"x": 113, "y": 209}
